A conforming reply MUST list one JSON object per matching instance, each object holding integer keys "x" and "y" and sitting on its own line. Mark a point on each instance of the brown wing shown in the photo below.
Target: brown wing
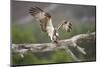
{"x": 66, "y": 25}
{"x": 41, "y": 16}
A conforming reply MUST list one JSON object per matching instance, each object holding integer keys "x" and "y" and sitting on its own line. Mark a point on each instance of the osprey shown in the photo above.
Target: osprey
{"x": 45, "y": 20}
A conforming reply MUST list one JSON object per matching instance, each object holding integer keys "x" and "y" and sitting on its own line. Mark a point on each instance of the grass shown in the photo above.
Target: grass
{"x": 32, "y": 33}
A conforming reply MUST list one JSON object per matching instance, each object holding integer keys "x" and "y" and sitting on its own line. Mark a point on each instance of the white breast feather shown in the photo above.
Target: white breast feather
{"x": 50, "y": 29}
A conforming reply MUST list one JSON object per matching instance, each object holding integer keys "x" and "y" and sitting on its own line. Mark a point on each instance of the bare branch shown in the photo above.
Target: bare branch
{"x": 63, "y": 44}
{"x": 68, "y": 51}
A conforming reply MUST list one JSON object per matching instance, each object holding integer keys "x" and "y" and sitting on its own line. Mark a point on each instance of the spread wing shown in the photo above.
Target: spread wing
{"x": 41, "y": 16}
{"x": 66, "y": 25}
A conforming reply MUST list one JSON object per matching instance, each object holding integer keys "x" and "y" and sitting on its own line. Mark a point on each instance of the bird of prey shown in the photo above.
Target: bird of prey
{"x": 45, "y": 20}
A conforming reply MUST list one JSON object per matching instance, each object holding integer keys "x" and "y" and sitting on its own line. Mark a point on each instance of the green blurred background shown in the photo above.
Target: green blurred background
{"x": 25, "y": 29}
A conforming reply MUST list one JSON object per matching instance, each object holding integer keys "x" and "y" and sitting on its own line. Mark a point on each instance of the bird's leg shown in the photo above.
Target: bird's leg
{"x": 56, "y": 37}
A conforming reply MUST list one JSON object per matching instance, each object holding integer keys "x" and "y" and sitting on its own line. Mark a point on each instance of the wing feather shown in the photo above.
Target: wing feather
{"x": 66, "y": 25}
{"x": 41, "y": 16}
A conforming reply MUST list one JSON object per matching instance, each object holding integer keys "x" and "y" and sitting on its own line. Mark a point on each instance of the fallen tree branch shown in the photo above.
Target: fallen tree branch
{"x": 63, "y": 44}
